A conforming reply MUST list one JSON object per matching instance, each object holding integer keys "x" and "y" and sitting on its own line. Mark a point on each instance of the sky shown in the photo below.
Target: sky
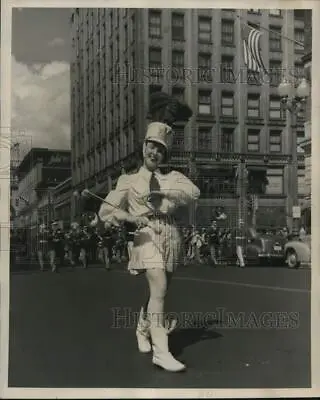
{"x": 40, "y": 75}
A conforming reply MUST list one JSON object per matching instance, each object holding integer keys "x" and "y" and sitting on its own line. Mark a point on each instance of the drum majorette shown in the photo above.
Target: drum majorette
{"x": 150, "y": 197}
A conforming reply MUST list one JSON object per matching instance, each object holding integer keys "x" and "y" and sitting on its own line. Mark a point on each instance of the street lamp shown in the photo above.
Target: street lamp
{"x": 293, "y": 99}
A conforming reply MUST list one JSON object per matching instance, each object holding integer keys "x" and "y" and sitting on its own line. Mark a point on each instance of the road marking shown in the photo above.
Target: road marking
{"x": 249, "y": 285}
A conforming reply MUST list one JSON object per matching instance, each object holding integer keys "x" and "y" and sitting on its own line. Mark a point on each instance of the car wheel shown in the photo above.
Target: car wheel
{"x": 292, "y": 259}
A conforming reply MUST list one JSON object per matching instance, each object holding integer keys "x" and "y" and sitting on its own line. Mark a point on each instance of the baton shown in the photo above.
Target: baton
{"x": 87, "y": 193}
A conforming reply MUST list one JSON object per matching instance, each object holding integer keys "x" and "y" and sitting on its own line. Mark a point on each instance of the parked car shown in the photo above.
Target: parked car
{"x": 265, "y": 249}
{"x": 298, "y": 252}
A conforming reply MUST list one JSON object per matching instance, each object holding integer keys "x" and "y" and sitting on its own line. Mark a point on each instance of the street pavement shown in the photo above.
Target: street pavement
{"x": 66, "y": 330}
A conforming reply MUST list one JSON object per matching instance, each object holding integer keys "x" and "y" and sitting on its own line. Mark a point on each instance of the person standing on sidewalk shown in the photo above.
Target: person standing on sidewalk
{"x": 240, "y": 243}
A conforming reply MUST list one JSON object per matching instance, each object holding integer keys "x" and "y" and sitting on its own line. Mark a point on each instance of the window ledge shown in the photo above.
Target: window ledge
{"x": 255, "y": 120}
{"x": 205, "y": 42}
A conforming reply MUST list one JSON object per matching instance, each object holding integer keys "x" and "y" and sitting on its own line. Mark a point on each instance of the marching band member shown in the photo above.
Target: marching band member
{"x": 57, "y": 246}
{"x": 84, "y": 239}
{"x": 107, "y": 244}
{"x": 42, "y": 244}
{"x": 52, "y": 245}
{"x": 148, "y": 196}
{"x": 240, "y": 243}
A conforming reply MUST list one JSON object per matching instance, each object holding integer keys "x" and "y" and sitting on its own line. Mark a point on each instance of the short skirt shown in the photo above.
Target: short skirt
{"x": 152, "y": 249}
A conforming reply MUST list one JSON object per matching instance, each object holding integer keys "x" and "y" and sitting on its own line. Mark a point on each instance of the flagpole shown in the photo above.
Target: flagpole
{"x": 241, "y": 133}
{"x": 269, "y": 30}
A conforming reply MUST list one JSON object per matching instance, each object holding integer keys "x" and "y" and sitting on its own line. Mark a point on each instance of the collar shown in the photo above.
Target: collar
{"x": 143, "y": 171}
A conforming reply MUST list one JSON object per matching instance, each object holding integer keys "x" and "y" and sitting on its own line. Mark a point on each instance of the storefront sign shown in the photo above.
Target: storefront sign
{"x": 59, "y": 159}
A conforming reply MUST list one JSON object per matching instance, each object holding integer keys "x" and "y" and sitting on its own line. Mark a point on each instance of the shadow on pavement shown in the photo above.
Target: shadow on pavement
{"x": 198, "y": 331}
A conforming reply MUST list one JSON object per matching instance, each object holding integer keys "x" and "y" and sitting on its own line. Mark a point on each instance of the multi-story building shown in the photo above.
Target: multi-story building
{"x": 307, "y": 142}
{"x": 120, "y": 56}
{"x": 40, "y": 171}
{"x": 62, "y": 194}
{"x": 306, "y": 59}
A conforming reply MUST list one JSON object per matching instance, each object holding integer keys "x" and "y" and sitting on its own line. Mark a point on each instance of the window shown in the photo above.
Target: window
{"x": 118, "y": 148}
{"x": 205, "y": 29}
{"x": 133, "y": 28}
{"x": 300, "y": 136}
{"x": 177, "y": 22}
{"x": 299, "y": 37}
{"x": 275, "y": 72}
{"x": 275, "y": 12}
{"x": 204, "y": 139}
{"x": 227, "y": 32}
{"x": 111, "y": 55}
{"x": 299, "y": 14}
{"x": 126, "y": 36}
{"x": 227, "y": 140}
{"x": 275, "y": 38}
{"x": 132, "y": 103}
{"x": 178, "y": 93}
{"x": 178, "y": 139}
{"x": 111, "y": 21}
{"x": 125, "y": 107}
{"x": 253, "y": 105}
{"x": 276, "y": 111}
{"x": 302, "y": 188}
{"x": 275, "y": 181}
{"x": 298, "y": 71}
{"x": 275, "y": 141}
{"x": 155, "y": 23}
{"x": 178, "y": 63}
{"x": 126, "y": 143}
{"x": 204, "y": 102}
{"x": 204, "y": 65}
{"x": 253, "y": 140}
{"x": 227, "y": 69}
{"x": 254, "y": 10}
{"x": 227, "y": 104}
{"x": 155, "y": 58}
{"x": 98, "y": 39}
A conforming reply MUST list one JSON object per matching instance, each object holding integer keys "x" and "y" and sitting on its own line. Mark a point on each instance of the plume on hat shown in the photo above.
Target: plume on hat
{"x": 161, "y": 104}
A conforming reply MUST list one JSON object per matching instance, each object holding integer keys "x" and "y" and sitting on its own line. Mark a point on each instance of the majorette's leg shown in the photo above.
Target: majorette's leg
{"x": 159, "y": 334}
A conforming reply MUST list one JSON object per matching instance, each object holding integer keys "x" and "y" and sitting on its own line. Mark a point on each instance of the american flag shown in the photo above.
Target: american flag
{"x": 251, "y": 51}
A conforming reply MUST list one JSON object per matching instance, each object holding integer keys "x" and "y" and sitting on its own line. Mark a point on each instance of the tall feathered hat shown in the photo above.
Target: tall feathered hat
{"x": 160, "y": 133}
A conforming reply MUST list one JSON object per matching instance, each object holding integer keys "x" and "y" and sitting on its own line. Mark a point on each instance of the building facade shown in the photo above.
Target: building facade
{"x": 40, "y": 171}
{"x": 62, "y": 194}
{"x": 120, "y": 56}
{"x": 307, "y": 61}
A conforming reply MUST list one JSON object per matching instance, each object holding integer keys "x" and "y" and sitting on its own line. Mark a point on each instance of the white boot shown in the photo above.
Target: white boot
{"x": 161, "y": 354}
{"x": 143, "y": 334}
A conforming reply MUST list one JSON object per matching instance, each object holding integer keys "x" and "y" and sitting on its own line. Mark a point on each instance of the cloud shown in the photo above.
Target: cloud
{"x": 41, "y": 103}
{"x": 56, "y": 42}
